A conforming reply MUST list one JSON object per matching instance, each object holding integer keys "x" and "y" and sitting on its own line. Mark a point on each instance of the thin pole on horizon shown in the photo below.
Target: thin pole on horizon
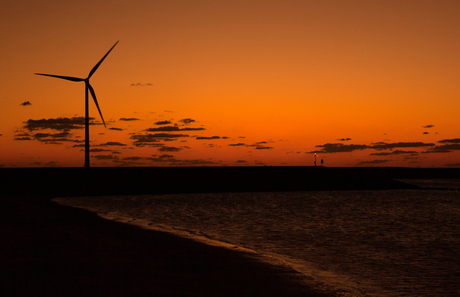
{"x": 315, "y": 159}
{"x": 88, "y": 88}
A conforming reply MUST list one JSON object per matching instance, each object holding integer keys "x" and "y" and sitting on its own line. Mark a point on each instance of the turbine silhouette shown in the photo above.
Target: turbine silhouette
{"x": 93, "y": 94}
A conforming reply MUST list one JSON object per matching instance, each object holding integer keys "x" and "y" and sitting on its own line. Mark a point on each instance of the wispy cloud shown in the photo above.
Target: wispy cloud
{"x": 386, "y": 146}
{"x": 152, "y": 139}
{"x": 373, "y": 162}
{"x": 172, "y": 129}
{"x": 393, "y": 153}
{"x": 128, "y": 119}
{"x": 141, "y": 85}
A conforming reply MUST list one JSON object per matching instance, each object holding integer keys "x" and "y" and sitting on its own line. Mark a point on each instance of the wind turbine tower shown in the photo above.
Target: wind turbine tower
{"x": 89, "y": 88}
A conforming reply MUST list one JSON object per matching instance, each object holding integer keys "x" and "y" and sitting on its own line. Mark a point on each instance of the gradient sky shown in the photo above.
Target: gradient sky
{"x": 232, "y": 83}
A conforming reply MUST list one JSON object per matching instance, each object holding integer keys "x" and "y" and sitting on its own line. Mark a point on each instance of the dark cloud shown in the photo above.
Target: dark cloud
{"x": 98, "y": 150}
{"x": 164, "y": 129}
{"x": 455, "y": 140}
{"x": 105, "y": 157}
{"x": 47, "y": 138}
{"x": 207, "y": 138}
{"x": 161, "y": 158}
{"x": 187, "y": 121}
{"x": 63, "y": 124}
{"x": 241, "y": 162}
{"x": 194, "y": 162}
{"x": 386, "y": 146}
{"x": 169, "y": 149}
{"x": 344, "y": 139}
{"x": 428, "y": 126}
{"x": 25, "y": 103}
{"x": 425, "y": 133}
{"x": 132, "y": 158}
{"x": 260, "y": 147}
{"x": 373, "y": 162}
{"x": 141, "y": 85}
{"x": 445, "y": 148}
{"x": 192, "y": 129}
{"x": 116, "y": 129}
{"x": 149, "y": 139}
{"x": 339, "y": 148}
{"x": 56, "y": 138}
{"x": 128, "y": 119}
{"x": 396, "y": 152}
{"x": 23, "y": 138}
{"x": 56, "y": 135}
{"x": 111, "y": 143}
{"x": 163, "y": 123}
{"x": 168, "y": 135}
{"x": 452, "y": 165}
{"x": 172, "y": 129}
{"x": 257, "y": 145}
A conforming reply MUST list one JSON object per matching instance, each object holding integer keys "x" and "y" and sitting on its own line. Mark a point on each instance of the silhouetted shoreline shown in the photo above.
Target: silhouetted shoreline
{"x": 161, "y": 180}
{"x": 53, "y": 250}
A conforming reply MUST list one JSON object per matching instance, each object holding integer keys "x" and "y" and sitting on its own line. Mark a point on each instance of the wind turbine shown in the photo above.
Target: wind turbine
{"x": 91, "y": 90}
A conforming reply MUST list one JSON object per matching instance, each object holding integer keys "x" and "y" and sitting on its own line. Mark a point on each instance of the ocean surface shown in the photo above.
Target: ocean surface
{"x": 358, "y": 243}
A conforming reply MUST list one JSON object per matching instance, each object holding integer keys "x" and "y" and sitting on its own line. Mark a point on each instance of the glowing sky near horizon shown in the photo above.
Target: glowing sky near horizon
{"x": 232, "y": 83}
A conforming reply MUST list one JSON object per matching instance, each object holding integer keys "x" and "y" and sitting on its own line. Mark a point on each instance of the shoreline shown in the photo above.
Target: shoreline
{"x": 168, "y": 180}
{"x": 54, "y": 250}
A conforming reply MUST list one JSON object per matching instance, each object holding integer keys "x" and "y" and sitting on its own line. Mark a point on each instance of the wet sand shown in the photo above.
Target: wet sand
{"x": 53, "y": 250}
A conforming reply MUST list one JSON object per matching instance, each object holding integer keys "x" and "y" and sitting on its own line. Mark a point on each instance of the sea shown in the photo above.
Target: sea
{"x": 354, "y": 243}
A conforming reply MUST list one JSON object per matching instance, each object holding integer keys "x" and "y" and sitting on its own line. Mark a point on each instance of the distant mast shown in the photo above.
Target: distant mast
{"x": 315, "y": 159}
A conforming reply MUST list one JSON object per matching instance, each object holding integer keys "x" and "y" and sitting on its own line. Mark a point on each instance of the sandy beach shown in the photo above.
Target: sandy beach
{"x": 53, "y": 250}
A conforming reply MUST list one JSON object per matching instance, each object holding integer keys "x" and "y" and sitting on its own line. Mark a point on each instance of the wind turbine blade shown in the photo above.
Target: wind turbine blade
{"x": 98, "y": 64}
{"x": 95, "y": 101}
{"x": 63, "y": 77}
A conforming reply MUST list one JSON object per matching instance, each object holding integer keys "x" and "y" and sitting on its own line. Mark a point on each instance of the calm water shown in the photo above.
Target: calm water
{"x": 367, "y": 243}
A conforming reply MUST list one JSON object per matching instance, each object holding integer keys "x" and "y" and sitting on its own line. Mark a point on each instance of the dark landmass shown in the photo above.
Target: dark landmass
{"x": 52, "y": 250}
{"x": 161, "y": 180}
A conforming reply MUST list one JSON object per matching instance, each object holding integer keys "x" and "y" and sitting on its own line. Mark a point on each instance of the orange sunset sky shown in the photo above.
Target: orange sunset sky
{"x": 232, "y": 83}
